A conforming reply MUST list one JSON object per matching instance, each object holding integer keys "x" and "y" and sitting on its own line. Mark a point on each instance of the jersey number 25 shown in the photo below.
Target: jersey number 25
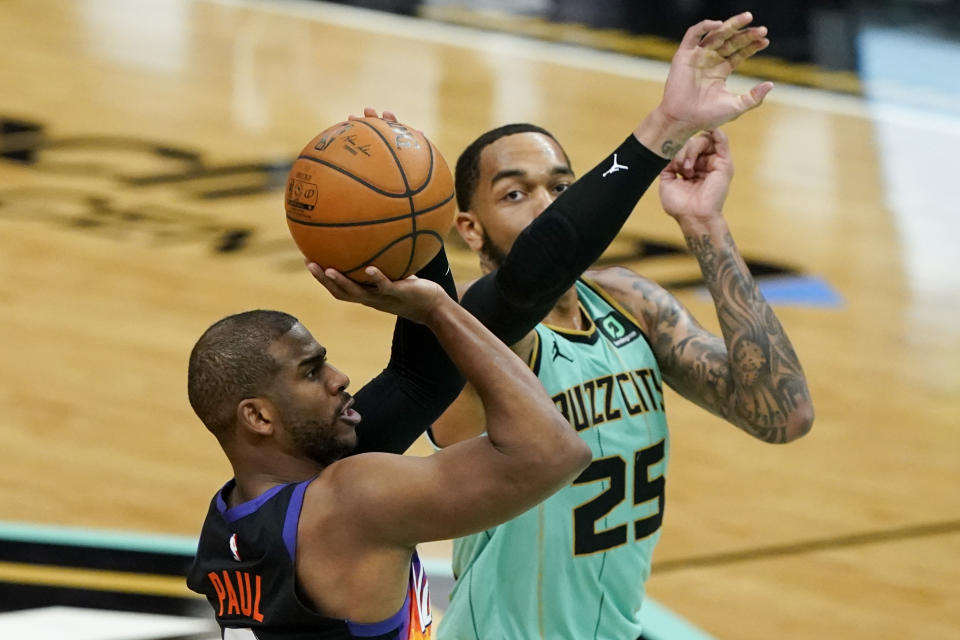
{"x": 586, "y": 538}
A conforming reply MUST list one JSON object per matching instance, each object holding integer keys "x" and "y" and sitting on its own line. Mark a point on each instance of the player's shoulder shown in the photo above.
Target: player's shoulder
{"x": 621, "y": 282}
{"x": 352, "y": 473}
{"x": 345, "y": 490}
{"x": 636, "y": 293}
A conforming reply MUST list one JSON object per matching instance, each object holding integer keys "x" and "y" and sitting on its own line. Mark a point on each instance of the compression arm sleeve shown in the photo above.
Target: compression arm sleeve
{"x": 560, "y": 244}
{"x": 418, "y": 384}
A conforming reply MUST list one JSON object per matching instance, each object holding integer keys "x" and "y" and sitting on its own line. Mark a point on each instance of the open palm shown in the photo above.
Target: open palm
{"x": 695, "y": 92}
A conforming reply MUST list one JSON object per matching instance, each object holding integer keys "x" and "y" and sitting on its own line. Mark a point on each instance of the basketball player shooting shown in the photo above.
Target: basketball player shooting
{"x": 304, "y": 539}
{"x": 305, "y": 542}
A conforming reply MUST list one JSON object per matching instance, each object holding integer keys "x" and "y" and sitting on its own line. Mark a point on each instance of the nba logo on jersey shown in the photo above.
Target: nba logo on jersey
{"x": 234, "y": 551}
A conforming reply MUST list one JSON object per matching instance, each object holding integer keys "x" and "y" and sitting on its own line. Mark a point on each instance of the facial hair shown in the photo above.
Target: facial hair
{"x": 318, "y": 440}
{"x": 491, "y": 253}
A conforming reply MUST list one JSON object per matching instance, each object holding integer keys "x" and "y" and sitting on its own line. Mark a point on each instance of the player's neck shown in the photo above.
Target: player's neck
{"x": 566, "y": 313}
{"x": 253, "y": 481}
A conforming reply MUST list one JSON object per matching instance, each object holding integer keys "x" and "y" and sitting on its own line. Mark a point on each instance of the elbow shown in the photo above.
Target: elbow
{"x": 799, "y": 422}
{"x": 580, "y": 456}
{"x": 575, "y": 452}
{"x": 560, "y": 457}
{"x": 780, "y": 430}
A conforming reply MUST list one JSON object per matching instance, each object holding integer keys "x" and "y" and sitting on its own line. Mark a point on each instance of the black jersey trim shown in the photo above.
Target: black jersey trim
{"x": 534, "y": 362}
{"x": 613, "y": 302}
{"x": 590, "y": 335}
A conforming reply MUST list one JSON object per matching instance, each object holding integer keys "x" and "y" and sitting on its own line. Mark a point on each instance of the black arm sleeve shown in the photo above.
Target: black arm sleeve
{"x": 418, "y": 384}
{"x": 556, "y": 248}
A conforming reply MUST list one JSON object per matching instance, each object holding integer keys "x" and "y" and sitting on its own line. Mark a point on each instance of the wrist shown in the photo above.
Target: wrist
{"x": 662, "y": 133}
{"x": 693, "y": 225}
{"x": 439, "y": 313}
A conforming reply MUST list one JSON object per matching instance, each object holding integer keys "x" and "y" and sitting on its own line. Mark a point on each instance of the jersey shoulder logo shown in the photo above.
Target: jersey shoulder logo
{"x": 613, "y": 328}
{"x": 234, "y": 550}
{"x": 616, "y": 166}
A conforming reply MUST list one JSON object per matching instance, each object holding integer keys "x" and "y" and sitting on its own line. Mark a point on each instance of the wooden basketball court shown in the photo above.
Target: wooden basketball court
{"x": 144, "y": 147}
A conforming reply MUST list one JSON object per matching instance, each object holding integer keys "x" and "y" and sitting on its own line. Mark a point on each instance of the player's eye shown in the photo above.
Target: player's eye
{"x": 560, "y": 187}
{"x": 310, "y": 373}
{"x": 513, "y": 196}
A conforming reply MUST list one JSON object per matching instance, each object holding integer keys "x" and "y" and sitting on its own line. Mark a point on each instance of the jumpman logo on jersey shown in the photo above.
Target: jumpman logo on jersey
{"x": 615, "y": 167}
{"x": 558, "y": 354}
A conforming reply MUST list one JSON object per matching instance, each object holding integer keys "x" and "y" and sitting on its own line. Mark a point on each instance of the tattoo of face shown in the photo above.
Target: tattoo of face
{"x": 752, "y": 377}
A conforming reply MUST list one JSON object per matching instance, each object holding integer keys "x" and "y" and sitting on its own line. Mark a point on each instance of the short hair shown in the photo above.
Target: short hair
{"x": 467, "y": 173}
{"x": 230, "y": 362}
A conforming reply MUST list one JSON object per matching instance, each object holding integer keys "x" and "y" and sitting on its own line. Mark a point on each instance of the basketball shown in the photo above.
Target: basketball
{"x": 370, "y": 192}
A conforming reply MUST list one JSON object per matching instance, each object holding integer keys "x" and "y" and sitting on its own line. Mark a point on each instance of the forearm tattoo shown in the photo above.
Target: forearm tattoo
{"x": 764, "y": 382}
{"x": 752, "y": 376}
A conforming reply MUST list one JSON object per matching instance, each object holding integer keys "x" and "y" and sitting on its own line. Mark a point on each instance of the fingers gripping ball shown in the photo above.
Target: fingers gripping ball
{"x": 370, "y": 192}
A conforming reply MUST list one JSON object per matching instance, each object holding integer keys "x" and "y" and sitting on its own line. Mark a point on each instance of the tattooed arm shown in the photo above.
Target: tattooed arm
{"x": 752, "y": 376}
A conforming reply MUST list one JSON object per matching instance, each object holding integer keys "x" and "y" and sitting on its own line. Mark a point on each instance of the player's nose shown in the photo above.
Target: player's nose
{"x": 337, "y": 381}
{"x": 543, "y": 198}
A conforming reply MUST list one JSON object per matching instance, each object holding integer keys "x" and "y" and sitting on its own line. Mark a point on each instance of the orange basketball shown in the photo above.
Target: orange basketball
{"x": 370, "y": 192}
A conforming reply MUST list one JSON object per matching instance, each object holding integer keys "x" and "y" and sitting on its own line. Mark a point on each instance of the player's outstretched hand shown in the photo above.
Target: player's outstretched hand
{"x": 695, "y": 92}
{"x": 695, "y": 183}
{"x": 412, "y": 297}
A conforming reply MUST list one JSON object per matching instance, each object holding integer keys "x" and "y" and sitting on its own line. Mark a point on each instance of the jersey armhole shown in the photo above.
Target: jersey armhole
{"x": 291, "y": 519}
{"x": 433, "y": 443}
{"x": 375, "y": 630}
{"x": 613, "y": 302}
{"x": 534, "y": 360}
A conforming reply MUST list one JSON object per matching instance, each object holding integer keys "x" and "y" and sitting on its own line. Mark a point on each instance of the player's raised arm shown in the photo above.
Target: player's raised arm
{"x": 558, "y": 246}
{"x": 537, "y": 230}
{"x": 751, "y": 376}
{"x": 529, "y": 452}
{"x": 417, "y": 385}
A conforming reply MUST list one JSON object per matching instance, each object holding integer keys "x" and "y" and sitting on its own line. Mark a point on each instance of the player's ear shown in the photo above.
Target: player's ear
{"x": 257, "y": 415}
{"x": 470, "y": 229}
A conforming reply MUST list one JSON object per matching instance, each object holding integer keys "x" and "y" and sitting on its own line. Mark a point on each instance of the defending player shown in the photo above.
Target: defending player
{"x": 578, "y": 562}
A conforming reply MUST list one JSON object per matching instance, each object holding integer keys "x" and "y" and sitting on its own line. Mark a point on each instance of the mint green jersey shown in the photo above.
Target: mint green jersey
{"x": 575, "y": 565}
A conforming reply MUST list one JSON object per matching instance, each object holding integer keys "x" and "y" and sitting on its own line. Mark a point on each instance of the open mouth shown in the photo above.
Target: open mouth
{"x": 348, "y": 414}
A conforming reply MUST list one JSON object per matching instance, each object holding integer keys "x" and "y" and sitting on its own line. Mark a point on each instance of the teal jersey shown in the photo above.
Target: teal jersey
{"x": 575, "y": 565}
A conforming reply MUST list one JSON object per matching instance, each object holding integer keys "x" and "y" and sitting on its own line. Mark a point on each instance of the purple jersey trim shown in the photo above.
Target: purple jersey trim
{"x": 292, "y": 519}
{"x": 245, "y": 508}
{"x": 398, "y": 622}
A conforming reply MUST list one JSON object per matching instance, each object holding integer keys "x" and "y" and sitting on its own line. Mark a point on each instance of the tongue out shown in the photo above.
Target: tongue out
{"x": 350, "y": 416}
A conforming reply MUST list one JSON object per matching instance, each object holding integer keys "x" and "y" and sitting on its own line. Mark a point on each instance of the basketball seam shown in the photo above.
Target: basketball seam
{"x": 408, "y": 194}
{"x": 413, "y": 218}
{"x": 413, "y": 240}
{"x": 406, "y": 184}
{"x": 329, "y": 164}
{"x": 366, "y": 262}
{"x": 403, "y": 175}
{"x": 372, "y": 222}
